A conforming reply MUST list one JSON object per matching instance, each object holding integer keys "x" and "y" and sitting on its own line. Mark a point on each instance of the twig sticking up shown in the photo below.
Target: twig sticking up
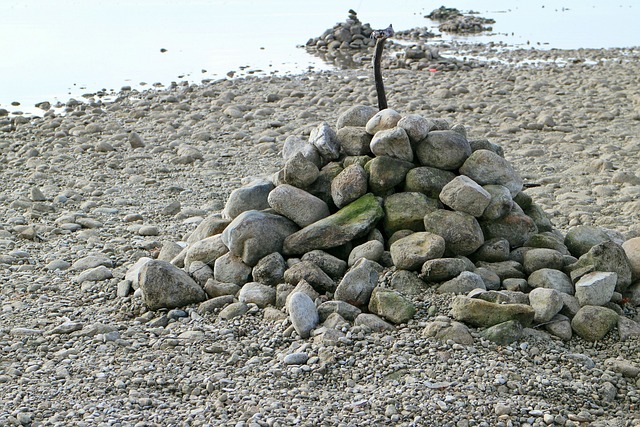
{"x": 380, "y": 36}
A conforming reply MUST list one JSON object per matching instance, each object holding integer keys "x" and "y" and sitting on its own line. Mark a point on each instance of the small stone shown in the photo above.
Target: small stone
{"x": 303, "y": 314}
{"x": 233, "y": 310}
{"x": 592, "y": 323}
{"x": 296, "y": 359}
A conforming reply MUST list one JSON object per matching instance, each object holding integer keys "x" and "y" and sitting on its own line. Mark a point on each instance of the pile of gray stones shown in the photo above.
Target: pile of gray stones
{"x": 348, "y": 45}
{"x": 453, "y": 21}
{"x": 370, "y": 213}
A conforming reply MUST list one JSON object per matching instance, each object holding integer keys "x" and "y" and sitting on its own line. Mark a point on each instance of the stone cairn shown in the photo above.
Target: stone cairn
{"x": 348, "y": 45}
{"x": 453, "y": 21}
{"x": 365, "y": 216}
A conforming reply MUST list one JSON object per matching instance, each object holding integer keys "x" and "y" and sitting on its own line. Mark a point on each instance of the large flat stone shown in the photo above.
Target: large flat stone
{"x": 354, "y": 220}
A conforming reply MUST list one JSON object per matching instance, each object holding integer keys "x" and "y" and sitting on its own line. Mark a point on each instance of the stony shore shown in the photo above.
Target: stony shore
{"x": 116, "y": 180}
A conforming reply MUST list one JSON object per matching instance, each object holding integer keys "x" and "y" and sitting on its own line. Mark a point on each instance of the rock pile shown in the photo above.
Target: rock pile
{"x": 349, "y": 45}
{"x": 453, "y": 21}
{"x": 364, "y": 216}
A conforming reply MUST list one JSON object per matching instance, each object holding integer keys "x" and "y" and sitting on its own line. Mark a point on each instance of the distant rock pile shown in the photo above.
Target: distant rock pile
{"x": 366, "y": 215}
{"x": 453, "y": 21}
{"x": 349, "y": 45}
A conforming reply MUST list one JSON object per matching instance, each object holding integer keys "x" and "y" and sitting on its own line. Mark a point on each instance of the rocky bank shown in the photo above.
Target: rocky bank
{"x": 89, "y": 193}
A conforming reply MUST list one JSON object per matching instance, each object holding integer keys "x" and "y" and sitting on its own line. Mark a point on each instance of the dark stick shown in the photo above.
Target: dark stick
{"x": 380, "y": 36}
{"x": 377, "y": 74}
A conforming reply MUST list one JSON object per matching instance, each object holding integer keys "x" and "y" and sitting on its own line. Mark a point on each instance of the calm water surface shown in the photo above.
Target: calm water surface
{"x": 52, "y": 50}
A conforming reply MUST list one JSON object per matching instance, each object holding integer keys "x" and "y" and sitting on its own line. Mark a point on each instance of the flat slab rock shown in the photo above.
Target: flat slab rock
{"x": 354, "y": 220}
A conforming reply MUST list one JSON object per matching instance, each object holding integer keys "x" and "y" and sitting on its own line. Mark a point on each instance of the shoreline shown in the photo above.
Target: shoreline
{"x": 485, "y": 54}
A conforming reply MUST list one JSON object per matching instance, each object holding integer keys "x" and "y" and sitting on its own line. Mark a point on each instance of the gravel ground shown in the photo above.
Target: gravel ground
{"x": 75, "y": 353}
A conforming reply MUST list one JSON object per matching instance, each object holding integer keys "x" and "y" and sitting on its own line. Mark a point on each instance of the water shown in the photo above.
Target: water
{"x": 53, "y": 50}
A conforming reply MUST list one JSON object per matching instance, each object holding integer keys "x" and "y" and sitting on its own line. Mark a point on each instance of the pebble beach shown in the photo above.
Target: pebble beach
{"x": 98, "y": 183}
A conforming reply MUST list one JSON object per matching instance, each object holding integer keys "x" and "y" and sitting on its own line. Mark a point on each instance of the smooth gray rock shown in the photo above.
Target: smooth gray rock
{"x": 296, "y": 359}
{"x": 200, "y": 272}
{"x": 416, "y": 127}
{"x": 596, "y": 288}
{"x": 411, "y": 252}
{"x": 214, "y": 289}
{"x": 215, "y": 303}
{"x": 461, "y": 232}
{"x": 464, "y": 195}
{"x": 504, "y": 333}
{"x": 253, "y": 235}
{"x": 444, "y": 329}
{"x": 552, "y": 279}
{"x": 516, "y": 227}
{"x": 358, "y": 115}
{"x": 385, "y": 173}
{"x": 491, "y": 280}
{"x": 303, "y": 314}
{"x": 210, "y": 226}
{"x": 233, "y": 310}
{"x": 500, "y": 204}
{"x": 443, "y": 149}
{"x": 252, "y": 196}
{"x": 481, "y": 313}
{"x": 580, "y": 239}
{"x": 357, "y": 284}
{"x": 442, "y": 269}
{"x": 549, "y": 240}
{"x": 391, "y": 305}
{"x": 91, "y": 261}
{"x": 333, "y": 266}
{"x": 349, "y": 185}
{"x": 270, "y": 269}
{"x": 406, "y": 211}
{"x": 427, "y": 180}
{"x": 166, "y": 286}
{"x": 392, "y": 142}
{"x": 299, "y": 171}
{"x": 373, "y": 322}
{"x": 546, "y": 303}
{"x": 371, "y": 250}
{"x": 354, "y": 220}
{"x": 312, "y": 274}
{"x": 207, "y": 250}
{"x": 592, "y": 323}
{"x": 345, "y": 310}
{"x": 539, "y": 258}
{"x": 486, "y": 167}
{"x": 407, "y": 283}
{"x": 384, "y": 119}
{"x": 485, "y": 144}
{"x": 169, "y": 251}
{"x": 560, "y": 326}
{"x": 294, "y": 145}
{"x": 258, "y": 294}
{"x": 464, "y": 283}
{"x": 297, "y": 205}
{"x": 324, "y": 138}
{"x": 95, "y": 274}
{"x": 355, "y": 141}
{"x": 504, "y": 269}
{"x": 230, "y": 269}
{"x": 493, "y": 250}
{"x": 628, "y": 328}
